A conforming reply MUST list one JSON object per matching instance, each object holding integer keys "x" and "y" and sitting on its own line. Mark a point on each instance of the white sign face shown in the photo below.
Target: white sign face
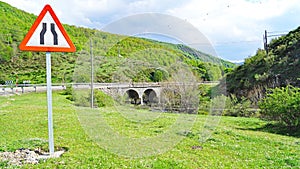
{"x": 47, "y": 34}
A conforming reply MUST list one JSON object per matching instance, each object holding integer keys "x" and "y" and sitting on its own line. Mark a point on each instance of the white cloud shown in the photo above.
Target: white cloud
{"x": 30, "y": 6}
{"x": 237, "y": 18}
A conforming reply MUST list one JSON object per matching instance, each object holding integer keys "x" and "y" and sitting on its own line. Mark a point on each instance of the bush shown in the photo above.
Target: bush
{"x": 68, "y": 90}
{"x": 205, "y": 98}
{"x": 228, "y": 106}
{"x": 82, "y": 98}
{"x": 238, "y": 107}
{"x": 231, "y": 106}
{"x": 102, "y": 99}
{"x": 282, "y": 105}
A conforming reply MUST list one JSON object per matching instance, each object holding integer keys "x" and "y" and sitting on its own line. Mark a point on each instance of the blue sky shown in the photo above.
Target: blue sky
{"x": 234, "y": 27}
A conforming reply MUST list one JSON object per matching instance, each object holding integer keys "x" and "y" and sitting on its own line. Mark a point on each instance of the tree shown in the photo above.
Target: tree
{"x": 282, "y": 105}
{"x": 181, "y": 94}
{"x": 159, "y": 75}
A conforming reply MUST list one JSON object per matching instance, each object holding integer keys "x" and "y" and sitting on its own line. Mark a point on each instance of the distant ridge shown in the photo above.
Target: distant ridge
{"x": 113, "y": 49}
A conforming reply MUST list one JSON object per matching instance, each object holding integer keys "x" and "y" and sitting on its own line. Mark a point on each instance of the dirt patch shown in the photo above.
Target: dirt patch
{"x": 26, "y": 156}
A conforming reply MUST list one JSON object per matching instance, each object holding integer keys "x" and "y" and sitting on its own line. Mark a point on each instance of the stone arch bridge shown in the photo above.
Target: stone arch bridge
{"x": 136, "y": 93}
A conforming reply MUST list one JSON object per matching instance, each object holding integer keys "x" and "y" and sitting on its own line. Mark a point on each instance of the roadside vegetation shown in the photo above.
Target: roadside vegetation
{"x": 282, "y": 105}
{"x": 267, "y": 84}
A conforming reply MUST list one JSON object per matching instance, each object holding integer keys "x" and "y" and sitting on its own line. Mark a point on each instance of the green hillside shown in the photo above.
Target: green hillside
{"x": 279, "y": 68}
{"x": 111, "y": 52}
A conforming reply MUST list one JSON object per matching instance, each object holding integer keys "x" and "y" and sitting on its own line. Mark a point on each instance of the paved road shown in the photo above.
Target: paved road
{"x": 20, "y": 90}
{"x": 5, "y": 90}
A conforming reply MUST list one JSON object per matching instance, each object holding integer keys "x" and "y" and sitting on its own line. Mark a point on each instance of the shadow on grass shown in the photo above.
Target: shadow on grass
{"x": 277, "y": 129}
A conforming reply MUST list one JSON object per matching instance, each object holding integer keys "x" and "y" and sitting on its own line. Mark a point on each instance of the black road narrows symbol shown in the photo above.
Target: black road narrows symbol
{"x": 43, "y": 32}
{"x": 54, "y": 34}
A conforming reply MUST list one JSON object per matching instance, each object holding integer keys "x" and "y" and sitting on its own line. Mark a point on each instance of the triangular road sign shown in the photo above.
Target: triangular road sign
{"x": 47, "y": 34}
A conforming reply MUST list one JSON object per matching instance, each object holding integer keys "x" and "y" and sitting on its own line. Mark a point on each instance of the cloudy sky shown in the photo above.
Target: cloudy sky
{"x": 234, "y": 27}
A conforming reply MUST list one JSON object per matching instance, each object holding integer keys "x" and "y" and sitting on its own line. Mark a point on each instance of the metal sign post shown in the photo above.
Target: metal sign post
{"x": 49, "y": 101}
{"x": 48, "y": 35}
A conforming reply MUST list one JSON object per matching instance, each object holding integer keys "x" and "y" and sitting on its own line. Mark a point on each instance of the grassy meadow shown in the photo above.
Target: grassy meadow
{"x": 113, "y": 137}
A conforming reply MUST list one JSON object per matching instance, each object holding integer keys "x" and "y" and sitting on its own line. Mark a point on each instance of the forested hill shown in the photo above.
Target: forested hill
{"x": 280, "y": 67}
{"x": 114, "y": 49}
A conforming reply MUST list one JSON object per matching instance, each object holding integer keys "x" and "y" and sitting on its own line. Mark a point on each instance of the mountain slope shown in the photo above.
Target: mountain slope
{"x": 280, "y": 67}
{"x": 110, "y": 51}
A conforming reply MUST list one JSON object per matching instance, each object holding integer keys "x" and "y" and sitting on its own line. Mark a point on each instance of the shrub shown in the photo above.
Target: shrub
{"x": 82, "y": 98}
{"x": 205, "y": 98}
{"x": 238, "y": 107}
{"x": 102, "y": 99}
{"x": 231, "y": 106}
{"x": 282, "y": 105}
{"x": 68, "y": 90}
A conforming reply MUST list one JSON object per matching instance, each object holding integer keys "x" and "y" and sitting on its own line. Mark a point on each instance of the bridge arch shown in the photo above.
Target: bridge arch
{"x": 133, "y": 97}
{"x": 150, "y": 97}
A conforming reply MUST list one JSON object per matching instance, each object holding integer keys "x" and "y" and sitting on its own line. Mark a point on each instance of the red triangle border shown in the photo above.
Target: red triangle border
{"x": 46, "y": 9}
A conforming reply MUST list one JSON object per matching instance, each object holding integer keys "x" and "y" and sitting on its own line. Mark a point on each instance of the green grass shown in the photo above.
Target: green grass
{"x": 93, "y": 138}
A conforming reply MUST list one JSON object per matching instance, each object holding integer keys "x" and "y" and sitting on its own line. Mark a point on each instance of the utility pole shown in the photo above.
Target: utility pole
{"x": 271, "y": 34}
{"x": 92, "y": 74}
{"x": 265, "y": 40}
